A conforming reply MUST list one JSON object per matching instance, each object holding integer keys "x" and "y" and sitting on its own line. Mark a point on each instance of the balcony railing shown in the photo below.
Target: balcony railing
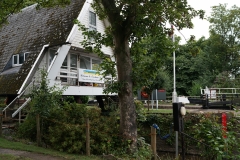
{"x": 71, "y": 78}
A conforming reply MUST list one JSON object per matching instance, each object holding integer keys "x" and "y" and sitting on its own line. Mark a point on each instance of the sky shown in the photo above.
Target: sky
{"x": 201, "y": 27}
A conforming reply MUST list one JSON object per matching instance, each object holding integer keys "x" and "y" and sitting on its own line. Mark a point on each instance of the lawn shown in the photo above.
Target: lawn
{"x": 160, "y": 111}
{"x": 4, "y": 143}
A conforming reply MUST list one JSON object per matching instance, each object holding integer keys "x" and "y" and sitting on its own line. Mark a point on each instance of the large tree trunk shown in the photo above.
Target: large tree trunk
{"x": 128, "y": 125}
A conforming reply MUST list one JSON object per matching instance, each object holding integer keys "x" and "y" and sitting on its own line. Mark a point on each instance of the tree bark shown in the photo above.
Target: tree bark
{"x": 128, "y": 126}
{"x": 121, "y": 34}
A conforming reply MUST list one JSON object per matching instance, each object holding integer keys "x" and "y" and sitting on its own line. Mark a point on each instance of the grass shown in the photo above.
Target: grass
{"x": 160, "y": 111}
{"x": 4, "y": 143}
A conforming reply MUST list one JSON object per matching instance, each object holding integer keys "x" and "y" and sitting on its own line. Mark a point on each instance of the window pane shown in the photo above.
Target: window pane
{"x": 92, "y": 28}
{"x": 51, "y": 55}
{"x": 73, "y": 62}
{"x": 21, "y": 58}
{"x": 63, "y": 79}
{"x": 92, "y": 18}
{"x": 26, "y": 55}
{"x": 65, "y": 64}
{"x": 85, "y": 63}
{"x": 95, "y": 64}
{"x": 15, "y": 59}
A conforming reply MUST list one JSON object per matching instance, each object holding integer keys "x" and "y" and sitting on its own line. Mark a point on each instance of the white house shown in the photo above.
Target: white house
{"x": 47, "y": 38}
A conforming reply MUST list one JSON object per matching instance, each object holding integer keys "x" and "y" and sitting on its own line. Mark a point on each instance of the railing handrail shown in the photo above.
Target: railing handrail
{"x": 69, "y": 72}
{"x": 218, "y": 91}
{"x": 13, "y": 101}
{"x": 20, "y": 108}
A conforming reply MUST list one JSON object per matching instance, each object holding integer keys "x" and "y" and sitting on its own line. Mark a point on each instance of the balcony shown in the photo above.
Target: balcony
{"x": 81, "y": 81}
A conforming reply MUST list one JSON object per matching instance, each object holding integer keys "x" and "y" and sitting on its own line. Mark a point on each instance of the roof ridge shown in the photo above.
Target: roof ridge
{"x": 30, "y": 7}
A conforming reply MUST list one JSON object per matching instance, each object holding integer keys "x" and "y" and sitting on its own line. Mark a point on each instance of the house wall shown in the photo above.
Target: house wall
{"x": 35, "y": 79}
{"x": 76, "y": 36}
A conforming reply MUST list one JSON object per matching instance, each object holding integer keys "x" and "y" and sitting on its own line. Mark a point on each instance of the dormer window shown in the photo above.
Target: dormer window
{"x": 18, "y": 59}
{"x": 92, "y": 21}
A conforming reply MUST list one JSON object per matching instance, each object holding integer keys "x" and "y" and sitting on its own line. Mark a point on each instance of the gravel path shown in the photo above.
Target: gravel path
{"x": 31, "y": 155}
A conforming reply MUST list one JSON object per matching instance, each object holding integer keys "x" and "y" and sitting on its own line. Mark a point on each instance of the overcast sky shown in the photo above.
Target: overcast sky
{"x": 201, "y": 27}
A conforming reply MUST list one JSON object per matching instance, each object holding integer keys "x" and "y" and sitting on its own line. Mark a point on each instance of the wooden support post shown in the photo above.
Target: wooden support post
{"x": 154, "y": 142}
{"x": 19, "y": 118}
{"x": 38, "y": 130}
{"x": 1, "y": 115}
{"x": 87, "y": 137}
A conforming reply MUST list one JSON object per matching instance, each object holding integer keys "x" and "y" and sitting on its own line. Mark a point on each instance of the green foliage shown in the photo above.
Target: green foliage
{"x": 93, "y": 43}
{"x": 164, "y": 122}
{"x": 148, "y": 57}
{"x": 141, "y": 111}
{"x": 149, "y": 44}
{"x": 69, "y": 99}
{"x": 66, "y": 131}
{"x": 207, "y": 129}
{"x": 144, "y": 149}
{"x": 195, "y": 68}
{"x": 212, "y": 62}
{"x": 224, "y": 41}
{"x": 195, "y": 89}
{"x": 130, "y": 23}
{"x": 27, "y": 130}
{"x": 224, "y": 81}
{"x": 84, "y": 99}
{"x": 2, "y": 103}
{"x": 44, "y": 98}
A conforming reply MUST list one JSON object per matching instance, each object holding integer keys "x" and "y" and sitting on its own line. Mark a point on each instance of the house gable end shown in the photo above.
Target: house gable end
{"x": 29, "y": 31}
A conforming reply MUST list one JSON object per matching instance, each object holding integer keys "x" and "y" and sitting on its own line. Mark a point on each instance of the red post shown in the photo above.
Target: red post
{"x": 224, "y": 125}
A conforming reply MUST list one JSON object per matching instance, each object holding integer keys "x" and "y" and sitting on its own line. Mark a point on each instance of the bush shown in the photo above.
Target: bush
{"x": 27, "y": 130}
{"x": 213, "y": 144}
{"x": 84, "y": 99}
{"x": 67, "y": 131}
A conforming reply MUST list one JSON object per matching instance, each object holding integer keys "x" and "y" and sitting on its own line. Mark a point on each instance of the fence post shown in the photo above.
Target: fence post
{"x": 87, "y": 137}
{"x": 153, "y": 142}
{"x": 1, "y": 115}
{"x": 38, "y": 130}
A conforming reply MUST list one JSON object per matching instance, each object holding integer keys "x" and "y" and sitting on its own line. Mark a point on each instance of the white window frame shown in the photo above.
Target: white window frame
{"x": 91, "y": 26}
{"x": 91, "y": 59}
{"x": 66, "y": 70}
{"x": 49, "y": 58}
{"x": 17, "y": 55}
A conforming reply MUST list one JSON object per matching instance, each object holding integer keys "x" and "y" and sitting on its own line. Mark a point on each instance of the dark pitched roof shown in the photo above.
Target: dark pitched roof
{"x": 28, "y": 31}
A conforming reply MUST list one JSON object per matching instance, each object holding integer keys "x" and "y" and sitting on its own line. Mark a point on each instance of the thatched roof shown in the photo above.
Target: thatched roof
{"x": 28, "y": 31}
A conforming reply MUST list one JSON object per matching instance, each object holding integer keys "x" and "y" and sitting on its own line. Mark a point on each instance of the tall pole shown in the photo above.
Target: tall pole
{"x": 174, "y": 93}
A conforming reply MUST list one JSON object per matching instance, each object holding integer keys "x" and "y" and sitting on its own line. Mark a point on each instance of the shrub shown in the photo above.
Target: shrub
{"x": 84, "y": 99}
{"x": 68, "y": 131}
{"x": 27, "y": 130}
{"x": 211, "y": 140}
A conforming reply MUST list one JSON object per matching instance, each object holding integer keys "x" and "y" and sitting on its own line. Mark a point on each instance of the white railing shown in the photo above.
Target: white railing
{"x": 20, "y": 108}
{"x": 5, "y": 109}
{"x": 71, "y": 78}
{"x": 216, "y": 92}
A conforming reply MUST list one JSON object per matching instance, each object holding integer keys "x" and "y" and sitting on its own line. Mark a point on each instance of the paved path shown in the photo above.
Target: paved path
{"x": 31, "y": 155}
